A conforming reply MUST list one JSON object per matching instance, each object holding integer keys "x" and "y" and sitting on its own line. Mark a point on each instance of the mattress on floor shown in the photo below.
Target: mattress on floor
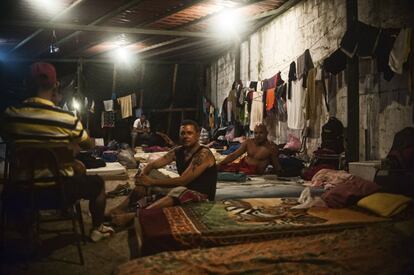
{"x": 211, "y": 224}
{"x": 147, "y": 157}
{"x": 267, "y": 186}
{"x": 112, "y": 170}
{"x": 375, "y": 249}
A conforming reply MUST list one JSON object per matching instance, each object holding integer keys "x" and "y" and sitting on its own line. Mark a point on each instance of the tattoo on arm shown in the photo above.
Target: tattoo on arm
{"x": 199, "y": 159}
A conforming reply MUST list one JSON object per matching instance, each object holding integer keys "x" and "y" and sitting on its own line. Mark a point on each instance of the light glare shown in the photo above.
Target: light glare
{"x": 75, "y": 105}
{"x": 123, "y": 55}
{"x": 47, "y": 6}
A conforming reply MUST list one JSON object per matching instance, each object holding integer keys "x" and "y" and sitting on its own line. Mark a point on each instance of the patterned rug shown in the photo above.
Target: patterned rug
{"x": 373, "y": 249}
{"x": 238, "y": 221}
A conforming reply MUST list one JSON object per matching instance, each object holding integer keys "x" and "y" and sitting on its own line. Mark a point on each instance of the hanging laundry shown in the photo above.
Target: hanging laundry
{"x": 295, "y": 106}
{"x": 303, "y": 65}
{"x": 242, "y": 97}
{"x": 92, "y": 108}
{"x": 280, "y": 103}
{"x": 367, "y": 40}
{"x": 126, "y": 106}
{"x": 311, "y": 97}
{"x": 335, "y": 63}
{"x": 253, "y": 85}
{"x": 385, "y": 44}
{"x": 108, "y": 119}
{"x": 270, "y": 99}
{"x": 249, "y": 99}
{"x": 232, "y": 105}
{"x": 400, "y": 51}
{"x": 108, "y": 105}
{"x": 314, "y": 111}
{"x": 291, "y": 77}
{"x": 256, "y": 114}
{"x": 360, "y": 39}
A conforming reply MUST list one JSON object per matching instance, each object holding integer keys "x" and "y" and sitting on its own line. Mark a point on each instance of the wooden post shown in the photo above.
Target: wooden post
{"x": 172, "y": 97}
{"x": 141, "y": 92}
{"x": 109, "y": 136}
{"x": 237, "y": 63}
{"x": 352, "y": 132}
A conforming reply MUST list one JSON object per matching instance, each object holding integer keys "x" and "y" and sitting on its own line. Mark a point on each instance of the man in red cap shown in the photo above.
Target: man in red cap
{"x": 38, "y": 120}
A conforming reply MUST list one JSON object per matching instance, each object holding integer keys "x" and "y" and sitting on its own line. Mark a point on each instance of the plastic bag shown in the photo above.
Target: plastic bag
{"x": 126, "y": 158}
{"x": 293, "y": 143}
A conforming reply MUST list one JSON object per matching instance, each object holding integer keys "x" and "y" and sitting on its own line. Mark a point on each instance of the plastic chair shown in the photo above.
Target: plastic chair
{"x": 25, "y": 184}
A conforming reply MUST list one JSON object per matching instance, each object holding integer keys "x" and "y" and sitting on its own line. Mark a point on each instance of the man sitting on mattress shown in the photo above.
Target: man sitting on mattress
{"x": 260, "y": 153}
{"x": 197, "y": 181}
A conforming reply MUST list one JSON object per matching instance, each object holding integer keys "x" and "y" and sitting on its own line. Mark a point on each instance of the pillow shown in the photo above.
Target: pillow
{"x": 385, "y": 204}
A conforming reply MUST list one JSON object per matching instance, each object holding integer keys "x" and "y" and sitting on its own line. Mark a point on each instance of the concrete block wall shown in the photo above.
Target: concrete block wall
{"x": 220, "y": 77}
{"x": 319, "y": 25}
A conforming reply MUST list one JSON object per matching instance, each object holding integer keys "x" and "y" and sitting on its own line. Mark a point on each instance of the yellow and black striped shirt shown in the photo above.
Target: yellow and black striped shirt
{"x": 38, "y": 120}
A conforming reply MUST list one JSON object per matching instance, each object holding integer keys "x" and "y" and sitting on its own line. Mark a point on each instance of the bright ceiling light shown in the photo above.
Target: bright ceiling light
{"x": 228, "y": 21}
{"x": 50, "y": 7}
{"x": 122, "y": 54}
{"x": 125, "y": 56}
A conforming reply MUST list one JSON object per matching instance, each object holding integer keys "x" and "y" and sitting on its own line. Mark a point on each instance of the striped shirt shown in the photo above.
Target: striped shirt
{"x": 38, "y": 120}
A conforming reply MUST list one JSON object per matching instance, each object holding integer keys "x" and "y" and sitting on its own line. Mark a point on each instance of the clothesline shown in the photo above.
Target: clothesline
{"x": 316, "y": 42}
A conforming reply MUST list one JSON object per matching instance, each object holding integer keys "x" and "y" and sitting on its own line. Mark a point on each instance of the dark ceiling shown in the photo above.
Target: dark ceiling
{"x": 153, "y": 30}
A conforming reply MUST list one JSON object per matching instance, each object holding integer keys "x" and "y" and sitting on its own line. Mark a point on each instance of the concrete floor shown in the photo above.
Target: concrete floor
{"x": 58, "y": 253}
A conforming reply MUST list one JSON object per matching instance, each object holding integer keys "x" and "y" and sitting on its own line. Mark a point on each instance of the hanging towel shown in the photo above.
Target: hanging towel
{"x": 256, "y": 114}
{"x": 400, "y": 51}
{"x": 126, "y": 106}
{"x": 295, "y": 106}
{"x": 108, "y": 105}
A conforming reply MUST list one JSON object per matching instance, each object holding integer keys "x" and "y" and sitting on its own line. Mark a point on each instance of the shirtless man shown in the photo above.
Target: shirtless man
{"x": 260, "y": 153}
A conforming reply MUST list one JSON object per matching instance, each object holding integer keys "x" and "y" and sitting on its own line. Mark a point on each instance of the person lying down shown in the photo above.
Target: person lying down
{"x": 197, "y": 181}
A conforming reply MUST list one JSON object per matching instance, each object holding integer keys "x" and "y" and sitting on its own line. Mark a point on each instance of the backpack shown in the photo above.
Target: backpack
{"x": 333, "y": 135}
{"x": 401, "y": 155}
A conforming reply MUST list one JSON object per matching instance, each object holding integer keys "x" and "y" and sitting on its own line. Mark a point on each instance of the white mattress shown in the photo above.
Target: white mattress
{"x": 111, "y": 169}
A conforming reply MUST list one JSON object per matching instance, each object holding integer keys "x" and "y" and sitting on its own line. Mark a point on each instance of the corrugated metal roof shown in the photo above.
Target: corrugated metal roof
{"x": 175, "y": 15}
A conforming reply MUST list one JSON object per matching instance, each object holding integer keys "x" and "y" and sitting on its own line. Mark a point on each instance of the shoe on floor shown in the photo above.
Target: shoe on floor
{"x": 102, "y": 232}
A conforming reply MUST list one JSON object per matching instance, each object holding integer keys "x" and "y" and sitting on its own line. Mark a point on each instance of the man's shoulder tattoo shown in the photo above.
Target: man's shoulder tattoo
{"x": 199, "y": 158}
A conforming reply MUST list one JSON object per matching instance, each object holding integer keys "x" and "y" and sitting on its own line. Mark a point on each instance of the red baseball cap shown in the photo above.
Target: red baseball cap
{"x": 44, "y": 72}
